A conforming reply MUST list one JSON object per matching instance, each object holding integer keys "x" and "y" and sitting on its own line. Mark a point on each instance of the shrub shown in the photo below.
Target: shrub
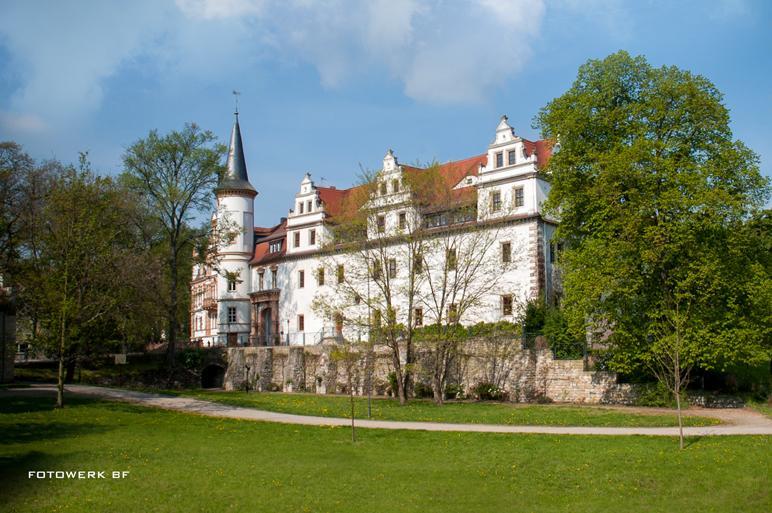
{"x": 487, "y": 392}
{"x": 495, "y": 329}
{"x": 422, "y": 391}
{"x": 454, "y": 391}
{"x": 191, "y": 357}
{"x": 393, "y": 383}
{"x": 533, "y": 320}
{"x": 274, "y": 387}
{"x": 434, "y": 332}
{"x": 564, "y": 345}
{"x": 657, "y": 395}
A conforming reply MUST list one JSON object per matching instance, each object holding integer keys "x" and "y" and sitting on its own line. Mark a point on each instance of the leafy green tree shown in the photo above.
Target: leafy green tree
{"x": 83, "y": 245}
{"x": 175, "y": 175}
{"x": 350, "y": 358}
{"x": 15, "y": 166}
{"x": 652, "y": 192}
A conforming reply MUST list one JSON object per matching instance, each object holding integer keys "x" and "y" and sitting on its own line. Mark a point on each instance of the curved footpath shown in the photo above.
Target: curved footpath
{"x": 737, "y": 422}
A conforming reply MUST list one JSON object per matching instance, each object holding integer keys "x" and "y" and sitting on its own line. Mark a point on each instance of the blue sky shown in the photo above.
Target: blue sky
{"x": 328, "y": 86}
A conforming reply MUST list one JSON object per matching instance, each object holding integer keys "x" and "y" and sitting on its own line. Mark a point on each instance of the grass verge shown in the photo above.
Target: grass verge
{"x": 180, "y": 462}
{"x": 453, "y": 412}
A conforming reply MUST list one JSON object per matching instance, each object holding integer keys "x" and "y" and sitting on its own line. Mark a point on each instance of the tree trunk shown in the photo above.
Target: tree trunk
{"x": 400, "y": 388}
{"x": 60, "y": 374}
{"x": 437, "y": 390}
{"x": 171, "y": 336}
{"x": 678, "y": 404}
{"x": 69, "y": 375}
{"x": 351, "y": 397}
{"x": 408, "y": 377}
{"x": 400, "y": 378}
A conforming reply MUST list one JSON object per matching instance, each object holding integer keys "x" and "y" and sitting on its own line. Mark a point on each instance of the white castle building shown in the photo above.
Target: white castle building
{"x": 478, "y": 247}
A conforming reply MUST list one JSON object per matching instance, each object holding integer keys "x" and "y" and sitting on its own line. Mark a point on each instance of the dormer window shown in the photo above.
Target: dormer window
{"x": 308, "y": 206}
{"x": 300, "y": 207}
{"x": 395, "y": 186}
{"x": 297, "y": 239}
{"x": 383, "y": 189}
{"x": 231, "y": 285}
{"x": 500, "y": 159}
{"x": 511, "y": 158}
{"x": 274, "y": 247}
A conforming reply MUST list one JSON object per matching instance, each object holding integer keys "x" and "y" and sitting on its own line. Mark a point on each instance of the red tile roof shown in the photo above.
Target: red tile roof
{"x": 453, "y": 172}
{"x": 263, "y": 241}
{"x": 442, "y": 195}
{"x": 340, "y": 202}
{"x": 543, "y": 149}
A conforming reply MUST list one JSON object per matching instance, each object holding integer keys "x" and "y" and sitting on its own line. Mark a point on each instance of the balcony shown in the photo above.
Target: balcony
{"x": 210, "y": 304}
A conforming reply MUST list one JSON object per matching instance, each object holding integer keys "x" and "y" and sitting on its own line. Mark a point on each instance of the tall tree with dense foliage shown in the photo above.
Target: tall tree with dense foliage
{"x": 653, "y": 194}
{"x": 15, "y": 166}
{"x": 175, "y": 174}
{"x": 84, "y": 244}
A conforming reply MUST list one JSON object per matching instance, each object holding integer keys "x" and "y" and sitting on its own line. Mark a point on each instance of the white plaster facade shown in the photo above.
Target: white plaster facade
{"x": 278, "y": 298}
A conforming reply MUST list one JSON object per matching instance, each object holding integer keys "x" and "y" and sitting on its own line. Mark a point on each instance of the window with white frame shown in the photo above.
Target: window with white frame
{"x": 495, "y": 201}
{"x": 519, "y": 194}
{"x": 506, "y": 305}
{"x": 506, "y": 252}
{"x": 231, "y": 314}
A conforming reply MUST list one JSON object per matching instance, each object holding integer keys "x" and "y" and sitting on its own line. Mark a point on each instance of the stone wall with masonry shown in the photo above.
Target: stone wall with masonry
{"x": 524, "y": 375}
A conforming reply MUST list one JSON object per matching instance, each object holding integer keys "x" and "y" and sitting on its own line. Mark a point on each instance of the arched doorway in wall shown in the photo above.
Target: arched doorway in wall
{"x": 212, "y": 376}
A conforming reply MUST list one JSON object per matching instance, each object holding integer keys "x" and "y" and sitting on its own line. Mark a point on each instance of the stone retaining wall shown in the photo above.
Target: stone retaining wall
{"x": 524, "y": 375}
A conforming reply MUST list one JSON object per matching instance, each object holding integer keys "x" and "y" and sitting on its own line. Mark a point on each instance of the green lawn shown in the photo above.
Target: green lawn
{"x": 456, "y": 412}
{"x": 180, "y": 462}
{"x": 763, "y": 408}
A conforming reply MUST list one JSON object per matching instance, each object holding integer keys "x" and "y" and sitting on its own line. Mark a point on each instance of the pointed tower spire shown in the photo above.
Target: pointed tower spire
{"x": 235, "y": 177}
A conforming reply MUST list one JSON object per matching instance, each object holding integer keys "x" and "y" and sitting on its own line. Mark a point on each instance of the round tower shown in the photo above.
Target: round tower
{"x": 235, "y": 224}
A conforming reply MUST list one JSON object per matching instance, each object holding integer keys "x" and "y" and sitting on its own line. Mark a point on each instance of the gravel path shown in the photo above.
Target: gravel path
{"x": 739, "y": 421}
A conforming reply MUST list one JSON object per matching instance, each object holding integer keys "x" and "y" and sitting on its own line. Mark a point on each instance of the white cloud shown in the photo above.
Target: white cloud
{"x": 22, "y": 123}
{"x": 440, "y": 51}
{"x": 724, "y": 9}
{"x": 63, "y": 54}
{"x": 610, "y": 16}
{"x": 215, "y": 9}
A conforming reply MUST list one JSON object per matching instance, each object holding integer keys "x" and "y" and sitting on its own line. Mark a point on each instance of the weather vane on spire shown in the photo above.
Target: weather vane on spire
{"x": 236, "y": 94}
